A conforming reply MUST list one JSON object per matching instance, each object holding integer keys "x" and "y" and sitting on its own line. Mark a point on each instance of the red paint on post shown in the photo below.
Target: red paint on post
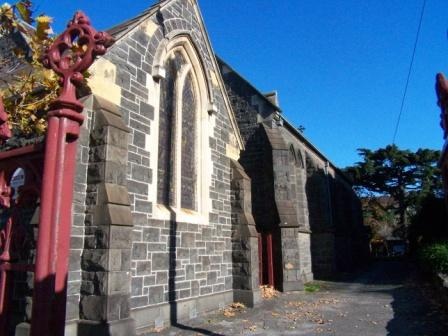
{"x": 270, "y": 260}
{"x": 266, "y": 258}
{"x": 72, "y": 53}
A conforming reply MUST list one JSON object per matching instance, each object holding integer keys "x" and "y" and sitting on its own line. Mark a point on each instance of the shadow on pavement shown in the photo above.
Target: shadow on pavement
{"x": 416, "y": 311}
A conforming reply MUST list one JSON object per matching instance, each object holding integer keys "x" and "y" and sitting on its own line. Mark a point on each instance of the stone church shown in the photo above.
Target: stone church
{"x": 192, "y": 189}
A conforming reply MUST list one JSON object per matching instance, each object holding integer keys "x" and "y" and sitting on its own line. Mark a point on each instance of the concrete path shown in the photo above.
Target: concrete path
{"x": 387, "y": 299}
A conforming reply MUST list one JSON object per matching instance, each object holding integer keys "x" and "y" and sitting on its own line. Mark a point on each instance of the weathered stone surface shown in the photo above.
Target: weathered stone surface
{"x": 160, "y": 261}
{"x": 139, "y": 251}
{"x": 187, "y": 239}
{"x": 114, "y": 194}
{"x": 146, "y": 110}
{"x": 244, "y": 240}
{"x": 141, "y": 173}
{"x": 151, "y": 234}
{"x": 106, "y": 258}
{"x": 143, "y": 206}
{"x": 156, "y": 295}
{"x": 113, "y": 214}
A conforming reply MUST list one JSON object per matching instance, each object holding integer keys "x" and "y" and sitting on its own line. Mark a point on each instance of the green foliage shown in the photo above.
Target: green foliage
{"x": 30, "y": 93}
{"x": 311, "y": 287}
{"x": 394, "y": 182}
{"x": 429, "y": 224}
{"x": 435, "y": 256}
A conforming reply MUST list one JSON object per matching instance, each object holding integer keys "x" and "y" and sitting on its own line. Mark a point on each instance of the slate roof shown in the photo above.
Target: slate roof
{"x": 10, "y": 65}
{"x": 123, "y": 28}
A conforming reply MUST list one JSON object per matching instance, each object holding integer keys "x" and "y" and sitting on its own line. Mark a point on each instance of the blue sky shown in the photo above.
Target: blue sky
{"x": 339, "y": 66}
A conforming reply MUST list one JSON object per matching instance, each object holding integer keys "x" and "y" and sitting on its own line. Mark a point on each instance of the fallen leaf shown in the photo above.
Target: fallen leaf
{"x": 268, "y": 292}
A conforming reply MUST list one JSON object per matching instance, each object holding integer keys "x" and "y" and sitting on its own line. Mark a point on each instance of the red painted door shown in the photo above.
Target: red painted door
{"x": 266, "y": 258}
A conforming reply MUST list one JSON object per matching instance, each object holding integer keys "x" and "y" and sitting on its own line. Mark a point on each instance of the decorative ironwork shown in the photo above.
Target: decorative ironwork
{"x": 15, "y": 239}
{"x": 18, "y": 203}
{"x": 72, "y": 53}
{"x": 442, "y": 101}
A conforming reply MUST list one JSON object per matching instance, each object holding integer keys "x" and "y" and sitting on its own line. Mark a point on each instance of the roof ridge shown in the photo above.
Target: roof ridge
{"x": 121, "y": 29}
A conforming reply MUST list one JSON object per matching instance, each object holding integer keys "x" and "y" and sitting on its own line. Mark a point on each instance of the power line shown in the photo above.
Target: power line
{"x": 409, "y": 72}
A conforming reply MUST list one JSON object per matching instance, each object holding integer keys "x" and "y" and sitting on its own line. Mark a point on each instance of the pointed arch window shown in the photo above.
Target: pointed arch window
{"x": 292, "y": 154}
{"x": 178, "y": 126}
{"x": 300, "y": 160}
{"x": 188, "y": 162}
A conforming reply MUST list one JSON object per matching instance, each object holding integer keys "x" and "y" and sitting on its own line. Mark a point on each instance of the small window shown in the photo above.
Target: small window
{"x": 300, "y": 161}
{"x": 292, "y": 155}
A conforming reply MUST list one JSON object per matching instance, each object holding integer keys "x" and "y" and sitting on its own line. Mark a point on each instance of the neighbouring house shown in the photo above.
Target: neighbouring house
{"x": 192, "y": 189}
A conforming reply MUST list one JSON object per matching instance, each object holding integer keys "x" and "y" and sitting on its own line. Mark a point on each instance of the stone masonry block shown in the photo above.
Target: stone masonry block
{"x": 187, "y": 239}
{"x": 115, "y": 194}
{"x": 93, "y": 307}
{"x": 118, "y": 283}
{"x": 109, "y": 135}
{"x": 108, "y": 153}
{"x": 95, "y": 260}
{"x": 120, "y": 237}
{"x": 108, "y": 172}
{"x": 115, "y": 259}
{"x": 139, "y": 251}
{"x": 143, "y": 206}
{"x": 139, "y": 139}
{"x": 113, "y": 214}
{"x": 151, "y": 235}
{"x": 147, "y": 110}
{"x": 156, "y": 294}
{"x": 160, "y": 262}
{"x": 141, "y": 173}
{"x": 143, "y": 267}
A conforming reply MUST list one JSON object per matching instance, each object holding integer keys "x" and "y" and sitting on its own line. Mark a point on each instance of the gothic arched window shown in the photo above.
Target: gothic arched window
{"x": 178, "y": 111}
{"x": 300, "y": 160}
{"x": 292, "y": 154}
{"x": 188, "y": 162}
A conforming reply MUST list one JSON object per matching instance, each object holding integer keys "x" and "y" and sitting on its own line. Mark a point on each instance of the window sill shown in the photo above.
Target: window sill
{"x": 163, "y": 212}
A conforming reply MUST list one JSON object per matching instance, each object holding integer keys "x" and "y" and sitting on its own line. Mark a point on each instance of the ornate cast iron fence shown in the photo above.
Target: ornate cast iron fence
{"x": 72, "y": 53}
{"x": 20, "y": 182}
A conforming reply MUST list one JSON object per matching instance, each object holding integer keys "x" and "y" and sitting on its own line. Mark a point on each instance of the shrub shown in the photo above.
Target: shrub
{"x": 435, "y": 256}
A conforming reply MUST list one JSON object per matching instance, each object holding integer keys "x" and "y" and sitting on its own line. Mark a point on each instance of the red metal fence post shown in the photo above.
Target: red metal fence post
{"x": 72, "y": 53}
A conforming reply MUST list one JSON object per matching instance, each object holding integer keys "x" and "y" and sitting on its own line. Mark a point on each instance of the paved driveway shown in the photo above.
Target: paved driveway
{"x": 387, "y": 299}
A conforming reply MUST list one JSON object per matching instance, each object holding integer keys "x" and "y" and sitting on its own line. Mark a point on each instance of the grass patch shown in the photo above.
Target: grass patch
{"x": 311, "y": 287}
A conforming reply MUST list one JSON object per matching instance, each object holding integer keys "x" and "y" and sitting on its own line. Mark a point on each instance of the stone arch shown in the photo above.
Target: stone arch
{"x": 190, "y": 70}
{"x": 181, "y": 39}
